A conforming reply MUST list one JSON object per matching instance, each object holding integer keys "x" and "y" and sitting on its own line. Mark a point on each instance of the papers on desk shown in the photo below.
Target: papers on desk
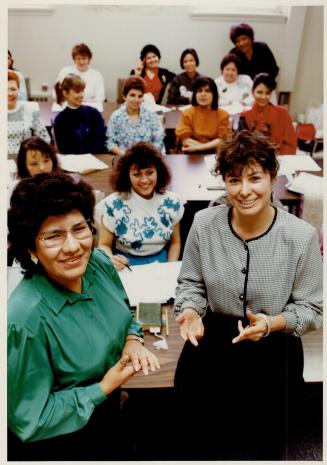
{"x": 306, "y": 183}
{"x": 291, "y": 163}
{"x": 234, "y": 108}
{"x": 11, "y": 171}
{"x": 155, "y": 282}
{"x": 83, "y": 164}
{"x": 56, "y": 107}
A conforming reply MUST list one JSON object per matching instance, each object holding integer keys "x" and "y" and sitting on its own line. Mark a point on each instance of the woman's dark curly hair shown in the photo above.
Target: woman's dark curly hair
{"x": 202, "y": 82}
{"x": 143, "y": 155}
{"x": 36, "y": 144}
{"x": 231, "y": 58}
{"x": 266, "y": 79}
{"x": 35, "y": 199}
{"x": 150, "y": 48}
{"x": 241, "y": 30}
{"x": 244, "y": 148}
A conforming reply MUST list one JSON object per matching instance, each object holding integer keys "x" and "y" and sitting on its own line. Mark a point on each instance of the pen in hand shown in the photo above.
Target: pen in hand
{"x": 125, "y": 264}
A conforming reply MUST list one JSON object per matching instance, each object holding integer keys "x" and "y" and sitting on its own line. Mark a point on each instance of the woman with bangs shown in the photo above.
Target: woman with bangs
{"x": 202, "y": 127}
{"x": 140, "y": 220}
{"x": 78, "y": 128}
{"x": 250, "y": 286}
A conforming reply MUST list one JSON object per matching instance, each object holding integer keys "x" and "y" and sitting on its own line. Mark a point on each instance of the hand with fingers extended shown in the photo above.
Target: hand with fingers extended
{"x": 191, "y": 326}
{"x": 256, "y": 330}
{"x": 141, "y": 358}
{"x": 117, "y": 375}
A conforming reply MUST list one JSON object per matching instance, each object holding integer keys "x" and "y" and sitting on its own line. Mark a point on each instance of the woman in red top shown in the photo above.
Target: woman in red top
{"x": 265, "y": 117}
{"x": 156, "y": 78}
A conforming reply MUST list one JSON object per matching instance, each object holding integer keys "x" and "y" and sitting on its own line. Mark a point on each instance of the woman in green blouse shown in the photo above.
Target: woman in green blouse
{"x": 72, "y": 341}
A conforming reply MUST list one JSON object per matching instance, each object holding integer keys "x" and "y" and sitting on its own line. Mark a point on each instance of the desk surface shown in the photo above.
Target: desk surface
{"x": 186, "y": 171}
{"x": 312, "y": 346}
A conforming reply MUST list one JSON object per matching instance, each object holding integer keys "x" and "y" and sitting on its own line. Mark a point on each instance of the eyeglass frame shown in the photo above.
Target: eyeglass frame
{"x": 66, "y": 231}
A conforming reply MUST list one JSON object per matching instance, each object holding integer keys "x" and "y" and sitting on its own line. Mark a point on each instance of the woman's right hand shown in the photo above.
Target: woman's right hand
{"x": 117, "y": 375}
{"x": 119, "y": 261}
{"x": 139, "y": 68}
{"x": 191, "y": 325}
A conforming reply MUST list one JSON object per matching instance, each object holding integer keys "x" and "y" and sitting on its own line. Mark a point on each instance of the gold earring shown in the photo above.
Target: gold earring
{"x": 34, "y": 259}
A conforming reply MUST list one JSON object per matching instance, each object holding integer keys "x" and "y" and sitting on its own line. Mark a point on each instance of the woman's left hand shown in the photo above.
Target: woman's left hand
{"x": 140, "y": 357}
{"x": 254, "y": 331}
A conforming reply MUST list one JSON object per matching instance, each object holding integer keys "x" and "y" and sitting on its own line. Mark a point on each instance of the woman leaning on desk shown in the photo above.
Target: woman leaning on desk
{"x": 140, "y": 220}
{"x": 272, "y": 120}
{"x": 77, "y": 128}
{"x": 72, "y": 341}
{"x": 203, "y": 126}
{"x": 132, "y": 122}
{"x": 250, "y": 286}
{"x": 181, "y": 87}
{"x": 23, "y": 120}
{"x": 156, "y": 78}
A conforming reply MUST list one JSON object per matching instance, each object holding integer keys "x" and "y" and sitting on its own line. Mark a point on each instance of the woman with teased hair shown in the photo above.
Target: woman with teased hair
{"x": 140, "y": 220}
{"x": 72, "y": 341}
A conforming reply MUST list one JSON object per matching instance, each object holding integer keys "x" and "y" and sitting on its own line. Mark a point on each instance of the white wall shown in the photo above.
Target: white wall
{"x": 41, "y": 44}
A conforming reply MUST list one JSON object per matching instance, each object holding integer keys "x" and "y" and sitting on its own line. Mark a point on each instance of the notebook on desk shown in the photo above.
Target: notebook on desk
{"x": 81, "y": 163}
{"x": 155, "y": 282}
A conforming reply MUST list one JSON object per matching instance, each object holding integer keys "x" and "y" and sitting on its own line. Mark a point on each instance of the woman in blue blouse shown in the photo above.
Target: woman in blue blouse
{"x": 72, "y": 341}
{"x": 140, "y": 220}
{"x": 78, "y": 128}
{"x": 133, "y": 122}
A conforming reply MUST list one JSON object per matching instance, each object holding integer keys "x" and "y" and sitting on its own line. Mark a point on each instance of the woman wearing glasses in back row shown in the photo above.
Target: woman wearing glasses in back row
{"x": 72, "y": 341}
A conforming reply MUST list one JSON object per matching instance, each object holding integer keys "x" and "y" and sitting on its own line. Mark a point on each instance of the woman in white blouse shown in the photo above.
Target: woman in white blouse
{"x": 232, "y": 86}
{"x": 94, "y": 89}
{"x": 140, "y": 220}
{"x": 250, "y": 286}
{"x": 23, "y": 120}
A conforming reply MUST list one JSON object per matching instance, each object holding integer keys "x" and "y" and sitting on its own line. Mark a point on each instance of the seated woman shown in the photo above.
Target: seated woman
{"x": 78, "y": 128}
{"x": 232, "y": 86}
{"x": 250, "y": 286}
{"x": 133, "y": 122}
{"x": 272, "y": 120}
{"x": 141, "y": 219}
{"x": 181, "y": 87}
{"x": 36, "y": 156}
{"x": 156, "y": 78}
{"x": 75, "y": 343}
{"x": 202, "y": 127}
{"x": 256, "y": 57}
{"x": 22, "y": 84}
{"x": 94, "y": 83}
{"x": 23, "y": 121}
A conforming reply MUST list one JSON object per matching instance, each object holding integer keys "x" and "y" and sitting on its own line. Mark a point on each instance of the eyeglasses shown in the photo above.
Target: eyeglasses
{"x": 58, "y": 237}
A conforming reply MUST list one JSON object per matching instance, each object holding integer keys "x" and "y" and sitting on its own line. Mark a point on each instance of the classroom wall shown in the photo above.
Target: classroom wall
{"x": 41, "y": 43}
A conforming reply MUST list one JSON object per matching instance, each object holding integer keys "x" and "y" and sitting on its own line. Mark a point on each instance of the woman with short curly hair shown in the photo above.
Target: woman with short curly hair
{"x": 141, "y": 218}
{"x": 72, "y": 341}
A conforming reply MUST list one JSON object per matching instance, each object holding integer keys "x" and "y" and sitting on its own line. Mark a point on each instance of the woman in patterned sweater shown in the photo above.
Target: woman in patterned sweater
{"x": 133, "y": 122}
{"x": 250, "y": 286}
{"x": 141, "y": 218}
{"x": 23, "y": 120}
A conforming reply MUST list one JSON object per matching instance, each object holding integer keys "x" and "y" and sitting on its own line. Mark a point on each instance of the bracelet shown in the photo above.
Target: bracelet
{"x": 134, "y": 337}
{"x": 266, "y": 318}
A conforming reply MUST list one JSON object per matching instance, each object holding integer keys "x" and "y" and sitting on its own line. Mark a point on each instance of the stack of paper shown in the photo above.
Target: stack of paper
{"x": 11, "y": 170}
{"x": 155, "y": 282}
{"x": 234, "y": 108}
{"x": 306, "y": 183}
{"x": 291, "y": 163}
{"x": 83, "y": 164}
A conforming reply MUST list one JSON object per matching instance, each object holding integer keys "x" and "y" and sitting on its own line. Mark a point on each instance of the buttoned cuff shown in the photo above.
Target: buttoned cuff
{"x": 291, "y": 321}
{"x": 95, "y": 393}
{"x": 190, "y": 304}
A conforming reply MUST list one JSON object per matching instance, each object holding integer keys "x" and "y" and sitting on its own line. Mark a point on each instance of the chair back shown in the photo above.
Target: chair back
{"x": 305, "y": 131}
